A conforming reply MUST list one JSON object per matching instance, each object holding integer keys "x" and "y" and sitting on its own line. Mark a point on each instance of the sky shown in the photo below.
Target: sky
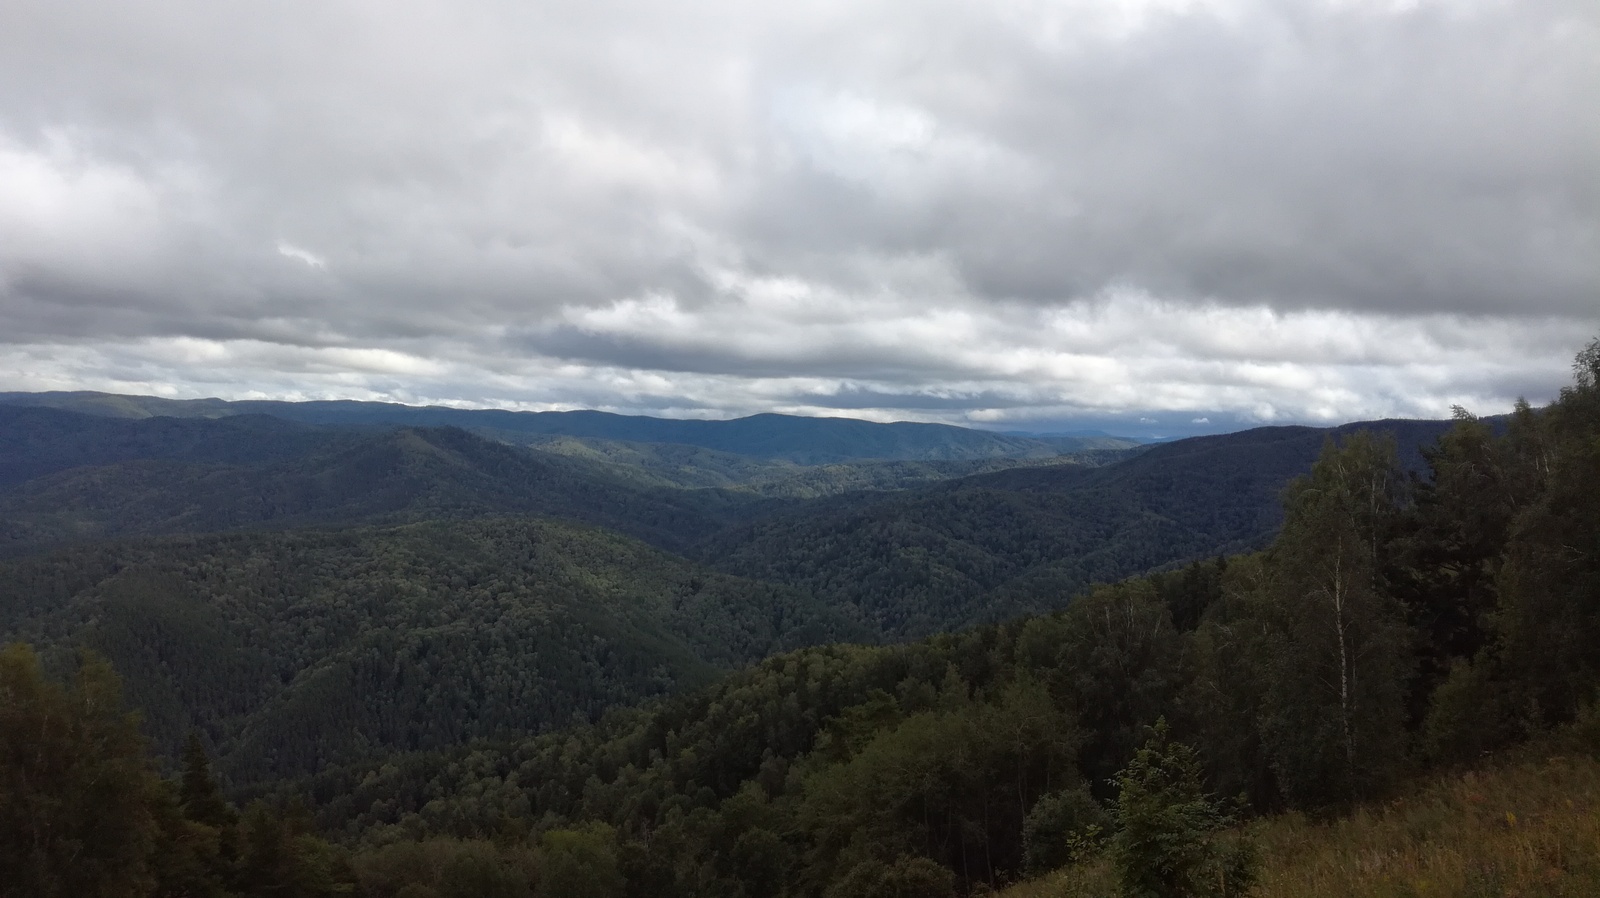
{"x": 1151, "y": 216}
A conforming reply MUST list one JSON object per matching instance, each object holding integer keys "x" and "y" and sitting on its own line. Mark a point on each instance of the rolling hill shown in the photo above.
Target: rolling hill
{"x": 98, "y": 478}
{"x": 993, "y": 546}
{"x": 800, "y": 440}
{"x": 296, "y": 650}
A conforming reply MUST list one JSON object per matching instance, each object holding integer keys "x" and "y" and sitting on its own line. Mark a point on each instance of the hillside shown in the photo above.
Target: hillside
{"x": 799, "y": 440}
{"x": 39, "y": 441}
{"x": 997, "y": 545}
{"x": 909, "y": 548}
{"x": 1527, "y": 824}
{"x": 162, "y": 475}
{"x": 1316, "y": 678}
{"x": 692, "y": 467}
{"x": 292, "y": 651}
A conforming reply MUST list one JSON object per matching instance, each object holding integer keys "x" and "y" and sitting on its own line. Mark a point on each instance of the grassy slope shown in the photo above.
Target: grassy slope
{"x": 1528, "y": 826}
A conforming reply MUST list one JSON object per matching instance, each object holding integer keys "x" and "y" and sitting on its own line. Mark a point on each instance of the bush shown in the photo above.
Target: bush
{"x": 1061, "y": 827}
{"x": 1170, "y": 841}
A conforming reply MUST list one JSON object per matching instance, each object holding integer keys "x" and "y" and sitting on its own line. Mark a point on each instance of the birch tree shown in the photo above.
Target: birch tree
{"x": 1334, "y": 719}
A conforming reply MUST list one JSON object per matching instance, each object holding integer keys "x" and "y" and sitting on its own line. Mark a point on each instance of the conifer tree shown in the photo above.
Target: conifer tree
{"x": 76, "y": 787}
{"x": 1170, "y": 840}
{"x": 200, "y": 796}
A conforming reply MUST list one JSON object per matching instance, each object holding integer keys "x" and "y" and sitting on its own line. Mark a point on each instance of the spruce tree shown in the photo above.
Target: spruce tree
{"x": 201, "y": 798}
{"x": 1171, "y": 840}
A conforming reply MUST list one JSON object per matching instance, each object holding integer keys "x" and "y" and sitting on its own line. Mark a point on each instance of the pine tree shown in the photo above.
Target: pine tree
{"x": 199, "y": 794}
{"x": 1170, "y": 840}
{"x": 76, "y": 788}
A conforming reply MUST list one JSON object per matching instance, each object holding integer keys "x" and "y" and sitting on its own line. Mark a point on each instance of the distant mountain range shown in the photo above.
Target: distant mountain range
{"x": 801, "y": 440}
{"x": 74, "y": 477}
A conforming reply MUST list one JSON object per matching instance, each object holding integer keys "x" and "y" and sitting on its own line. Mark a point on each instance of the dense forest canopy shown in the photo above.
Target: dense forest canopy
{"x": 360, "y": 692}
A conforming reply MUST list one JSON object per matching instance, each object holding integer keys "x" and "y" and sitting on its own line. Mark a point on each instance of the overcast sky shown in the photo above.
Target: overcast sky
{"x": 1022, "y": 214}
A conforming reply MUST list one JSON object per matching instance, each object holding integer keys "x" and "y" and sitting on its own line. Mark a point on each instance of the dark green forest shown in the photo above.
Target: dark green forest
{"x": 931, "y": 691}
{"x": 769, "y": 437}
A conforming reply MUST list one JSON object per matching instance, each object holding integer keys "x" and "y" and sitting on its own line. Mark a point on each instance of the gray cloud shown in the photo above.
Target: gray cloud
{"x": 993, "y": 213}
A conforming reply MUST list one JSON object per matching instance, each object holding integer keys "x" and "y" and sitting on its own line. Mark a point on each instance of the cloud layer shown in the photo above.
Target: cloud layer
{"x": 1015, "y": 214}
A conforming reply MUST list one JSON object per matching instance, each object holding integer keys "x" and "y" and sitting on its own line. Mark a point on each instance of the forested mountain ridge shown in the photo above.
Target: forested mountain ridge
{"x": 862, "y": 567}
{"x": 993, "y": 546}
{"x": 291, "y": 651}
{"x": 801, "y": 440}
{"x": 35, "y": 441}
{"x": 950, "y": 551}
{"x": 265, "y": 473}
{"x": 693, "y": 467}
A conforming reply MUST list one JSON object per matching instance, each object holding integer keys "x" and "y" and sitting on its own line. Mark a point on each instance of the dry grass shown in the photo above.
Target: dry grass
{"x": 1522, "y": 829}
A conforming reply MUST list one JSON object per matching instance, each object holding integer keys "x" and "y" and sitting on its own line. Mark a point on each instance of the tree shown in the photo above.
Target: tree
{"x": 281, "y": 859}
{"x": 581, "y": 863}
{"x": 1059, "y": 827}
{"x": 1340, "y": 654}
{"x": 201, "y": 798}
{"x": 1547, "y": 625}
{"x": 1115, "y": 658}
{"x": 76, "y": 788}
{"x": 1170, "y": 840}
{"x": 952, "y": 785}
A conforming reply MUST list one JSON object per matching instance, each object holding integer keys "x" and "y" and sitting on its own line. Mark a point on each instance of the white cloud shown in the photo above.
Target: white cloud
{"x": 1222, "y": 210}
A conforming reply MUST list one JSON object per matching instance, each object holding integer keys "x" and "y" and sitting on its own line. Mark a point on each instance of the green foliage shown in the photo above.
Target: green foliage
{"x": 199, "y": 795}
{"x": 581, "y": 863}
{"x": 953, "y": 785}
{"x": 1170, "y": 840}
{"x": 1334, "y": 713}
{"x": 296, "y": 650}
{"x": 444, "y": 868}
{"x": 279, "y": 858}
{"x": 76, "y": 791}
{"x": 907, "y": 877}
{"x": 1446, "y": 560}
{"x": 348, "y": 478}
{"x": 1063, "y": 826}
{"x": 692, "y": 467}
{"x": 1547, "y": 623}
{"x": 482, "y": 873}
{"x": 997, "y": 546}
{"x": 82, "y": 812}
{"x": 1117, "y": 659}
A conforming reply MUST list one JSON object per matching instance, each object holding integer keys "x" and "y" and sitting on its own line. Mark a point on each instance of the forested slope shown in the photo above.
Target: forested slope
{"x": 693, "y": 467}
{"x": 292, "y": 651}
{"x": 1393, "y": 626}
{"x": 433, "y": 689}
{"x": 800, "y": 440}
{"x": 39, "y": 441}
{"x": 229, "y": 476}
{"x": 996, "y": 545}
